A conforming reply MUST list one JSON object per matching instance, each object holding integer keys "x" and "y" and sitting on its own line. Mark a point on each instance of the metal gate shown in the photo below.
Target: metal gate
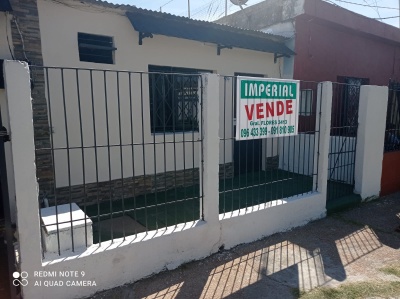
{"x": 4, "y": 137}
{"x": 343, "y": 141}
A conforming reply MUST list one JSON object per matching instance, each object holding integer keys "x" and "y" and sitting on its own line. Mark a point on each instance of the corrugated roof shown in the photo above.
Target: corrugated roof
{"x": 146, "y": 21}
{"x": 5, "y": 5}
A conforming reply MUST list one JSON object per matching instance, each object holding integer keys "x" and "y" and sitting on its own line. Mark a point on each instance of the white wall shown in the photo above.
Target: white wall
{"x": 59, "y": 26}
{"x": 146, "y": 253}
{"x": 371, "y": 138}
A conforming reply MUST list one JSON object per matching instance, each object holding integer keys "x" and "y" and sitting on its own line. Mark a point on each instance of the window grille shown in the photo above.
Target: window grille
{"x": 174, "y": 99}
{"x": 306, "y": 102}
{"x": 96, "y": 48}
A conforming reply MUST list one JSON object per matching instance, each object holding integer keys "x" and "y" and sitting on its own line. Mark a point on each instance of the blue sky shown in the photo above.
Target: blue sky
{"x": 214, "y": 9}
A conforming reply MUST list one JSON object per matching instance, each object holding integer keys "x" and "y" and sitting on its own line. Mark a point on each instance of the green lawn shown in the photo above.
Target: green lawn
{"x": 180, "y": 205}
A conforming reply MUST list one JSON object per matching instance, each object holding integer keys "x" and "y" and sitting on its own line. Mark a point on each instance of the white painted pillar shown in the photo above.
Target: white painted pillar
{"x": 323, "y": 121}
{"x": 210, "y": 129}
{"x": 18, "y": 97}
{"x": 370, "y": 140}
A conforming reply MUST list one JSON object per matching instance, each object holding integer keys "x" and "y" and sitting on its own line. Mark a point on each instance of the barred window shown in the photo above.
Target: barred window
{"x": 174, "y": 99}
{"x": 96, "y": 48}
{"x": 306, "y": 102}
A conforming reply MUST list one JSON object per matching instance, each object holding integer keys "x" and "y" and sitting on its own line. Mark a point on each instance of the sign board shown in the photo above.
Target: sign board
{"x": 266, "y": 107}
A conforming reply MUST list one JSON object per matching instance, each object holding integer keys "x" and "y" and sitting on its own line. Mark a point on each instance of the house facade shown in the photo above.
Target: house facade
{"x": 338, "y": 45}
{"x": 123, "y": 142}
{"x": 60, "y": 34}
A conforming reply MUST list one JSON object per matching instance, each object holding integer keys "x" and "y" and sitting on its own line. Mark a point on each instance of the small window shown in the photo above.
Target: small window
{"x": 96, "y": 48}
{"x": 174, "y": 99}
{"x": 306, "y": 102}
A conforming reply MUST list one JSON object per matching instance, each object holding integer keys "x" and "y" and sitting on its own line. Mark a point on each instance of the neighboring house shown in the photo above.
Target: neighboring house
{"x": 332, "y": 44}
{"x": 98, "y": 35}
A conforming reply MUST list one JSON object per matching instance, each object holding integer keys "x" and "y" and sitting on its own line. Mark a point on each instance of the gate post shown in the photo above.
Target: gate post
{"x": 323, "y": 120}
{"x": 209, "y": 129}
{"x": 18, "y": 97}
{"x": 370, "y": 140}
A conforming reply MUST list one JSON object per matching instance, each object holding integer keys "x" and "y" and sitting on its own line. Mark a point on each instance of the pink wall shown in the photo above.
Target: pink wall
{"x": 326, "y": 51}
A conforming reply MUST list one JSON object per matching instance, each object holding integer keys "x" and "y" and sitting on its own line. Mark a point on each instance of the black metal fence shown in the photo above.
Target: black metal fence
{"x": 257, "y": 171}
{"x": 343, "y": 140}
{"x": 125, "y": 147}
{"x": 392, "y": 134}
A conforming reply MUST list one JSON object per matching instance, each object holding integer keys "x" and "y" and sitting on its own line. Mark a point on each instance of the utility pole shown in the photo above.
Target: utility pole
{"x": 189, "y": 8}
{"x": 226, "y": 7}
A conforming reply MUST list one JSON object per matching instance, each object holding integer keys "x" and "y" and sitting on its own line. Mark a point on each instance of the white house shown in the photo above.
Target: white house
{"x": 101, "y": 36}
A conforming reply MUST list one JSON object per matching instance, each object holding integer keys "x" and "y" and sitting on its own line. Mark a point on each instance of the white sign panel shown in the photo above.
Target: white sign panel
{"x": 266, "y": 107}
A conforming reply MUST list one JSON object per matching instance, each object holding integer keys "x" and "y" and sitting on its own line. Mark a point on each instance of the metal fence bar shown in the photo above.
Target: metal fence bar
{"x": 267, "y": 169}
{"x": 101, "y": 153}
{"x": 392, "y": 131}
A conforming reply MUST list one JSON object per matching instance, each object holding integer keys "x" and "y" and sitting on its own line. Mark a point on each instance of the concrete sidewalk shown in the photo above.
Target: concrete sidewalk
{"x": 346, "y": 247}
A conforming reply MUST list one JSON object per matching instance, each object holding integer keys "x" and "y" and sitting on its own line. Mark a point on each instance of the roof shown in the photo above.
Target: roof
{"x": 152, "y": 22}
{"x": 5, "y": 5}
{"x": 268, "y": 13}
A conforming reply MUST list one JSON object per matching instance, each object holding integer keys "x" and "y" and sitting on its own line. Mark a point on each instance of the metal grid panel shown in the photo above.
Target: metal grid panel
{"x": 105, "y": 158}
{"x": 258, "y": 171}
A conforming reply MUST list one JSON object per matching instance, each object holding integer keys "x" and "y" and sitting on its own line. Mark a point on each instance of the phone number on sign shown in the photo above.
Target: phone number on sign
{"x": 265, "y": 131}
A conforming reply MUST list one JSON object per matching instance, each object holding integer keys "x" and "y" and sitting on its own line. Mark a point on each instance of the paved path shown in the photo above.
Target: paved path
{"x": 347, "y": 247}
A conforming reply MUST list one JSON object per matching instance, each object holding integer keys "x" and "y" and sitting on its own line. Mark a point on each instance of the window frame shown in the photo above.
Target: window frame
{"x": 87, "y": 43}
{"x": 166, "y": 92}
{"x": 308, "y": 111}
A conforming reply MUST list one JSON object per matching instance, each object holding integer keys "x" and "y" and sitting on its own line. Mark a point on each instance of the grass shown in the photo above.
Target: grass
{"x": 182, "y": 204}
{"x": 355, "y": 291}
{"x": 392, "y": 270}
{"x": 370, "y": 289}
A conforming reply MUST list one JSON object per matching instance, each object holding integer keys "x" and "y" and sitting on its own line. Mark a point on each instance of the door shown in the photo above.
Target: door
{"x": 247, "y": 154}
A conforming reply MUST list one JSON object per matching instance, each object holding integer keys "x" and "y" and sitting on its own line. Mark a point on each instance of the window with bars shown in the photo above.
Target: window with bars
{"x": 96, "y": 48}
{"x": 306, "y": 102}
{"x": 174, "y": 99}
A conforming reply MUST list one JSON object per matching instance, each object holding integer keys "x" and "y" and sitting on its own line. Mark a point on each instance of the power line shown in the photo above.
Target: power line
{"x": 366, "y": 5}
{"x": 165, "y": 4}
{"x": 393, "y": 17}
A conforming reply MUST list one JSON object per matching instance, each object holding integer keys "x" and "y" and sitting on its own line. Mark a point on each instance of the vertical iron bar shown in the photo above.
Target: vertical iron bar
{"x": 174, "y": 123}
{"x": 233, "y": 140}
{"x": 184, "y": 149}
{"x": 53, "y": 159}
{"x": 82, "y": 151}
{"x": 143, "y": 149}
{"x": 201, "y": 148}
{"x": 121, "y": 157}
{"x": 95, "y": 153}
{"x": 154, "y": 141}
{"x": 132, "y": 148}
{"x": 109, "y": 155}
{"x": 319, "y": 136}
{"x": 224, "y": 167}
{"x": 165, "y": 169}
{"x": 193, "y": 80}
{"x": 68, "y": 159}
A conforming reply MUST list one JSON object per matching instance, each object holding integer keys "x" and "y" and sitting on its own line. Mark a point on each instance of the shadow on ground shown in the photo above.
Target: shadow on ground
{"x": 348, "y": 246}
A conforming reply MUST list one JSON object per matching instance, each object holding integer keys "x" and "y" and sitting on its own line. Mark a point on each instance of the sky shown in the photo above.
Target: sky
{"x": 210, "y": 10}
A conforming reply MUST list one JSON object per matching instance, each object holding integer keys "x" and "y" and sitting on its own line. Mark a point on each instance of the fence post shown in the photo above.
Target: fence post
{"x": 370, "y": 140}
{"x": 323, "y": 120}
{"x": 210, "y": 128}
{"x": 18, "y": 97}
